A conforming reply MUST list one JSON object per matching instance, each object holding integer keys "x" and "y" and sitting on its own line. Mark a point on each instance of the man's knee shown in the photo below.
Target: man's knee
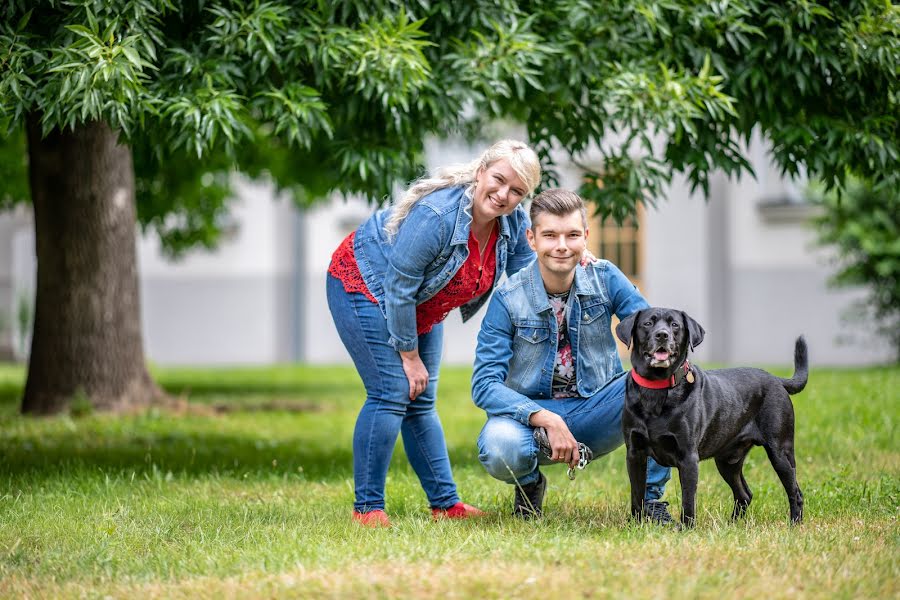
{"x": 504, "y": 451}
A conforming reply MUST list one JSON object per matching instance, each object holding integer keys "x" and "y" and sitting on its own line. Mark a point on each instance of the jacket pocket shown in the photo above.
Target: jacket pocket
{"x": 531, "y": 346}
{"x": 592, "y": 311}
{"x": 533, "y": 334}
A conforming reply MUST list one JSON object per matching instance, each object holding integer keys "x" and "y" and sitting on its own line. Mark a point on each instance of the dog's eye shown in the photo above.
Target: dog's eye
{"x": 648, "y": 323}
{"x": 676, "y": 326}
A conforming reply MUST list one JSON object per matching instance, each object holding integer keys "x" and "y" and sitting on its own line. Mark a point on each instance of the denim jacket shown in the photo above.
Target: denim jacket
{"x": 517, "y": 344}
{"x": 429, "y": 248}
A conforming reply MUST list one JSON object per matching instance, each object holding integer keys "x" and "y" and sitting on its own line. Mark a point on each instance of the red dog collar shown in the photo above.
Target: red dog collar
{"x": 662, "y": 384}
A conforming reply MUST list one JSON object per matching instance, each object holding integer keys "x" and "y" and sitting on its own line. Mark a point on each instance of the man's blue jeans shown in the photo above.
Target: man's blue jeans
{"x": 387, "y": 410}
{"x": 508, "y": 451}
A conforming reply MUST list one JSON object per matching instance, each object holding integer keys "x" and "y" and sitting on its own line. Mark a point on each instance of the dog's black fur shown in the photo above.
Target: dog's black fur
{"x": 721, "y": 415}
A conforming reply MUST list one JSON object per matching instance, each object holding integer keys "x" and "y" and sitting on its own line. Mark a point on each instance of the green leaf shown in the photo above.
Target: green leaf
{"x": 83, "y": 32}
{"x": 23, "y": 22}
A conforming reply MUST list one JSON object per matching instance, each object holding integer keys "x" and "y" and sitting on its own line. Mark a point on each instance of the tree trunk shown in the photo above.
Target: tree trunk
{"x": 87, "y": 338}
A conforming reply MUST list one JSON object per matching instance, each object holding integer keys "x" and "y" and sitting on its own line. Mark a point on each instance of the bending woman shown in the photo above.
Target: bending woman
{"x": 390, "y": 285}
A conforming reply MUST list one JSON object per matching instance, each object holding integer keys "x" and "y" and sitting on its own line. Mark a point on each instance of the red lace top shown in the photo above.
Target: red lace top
{"x": 473, "y": 279}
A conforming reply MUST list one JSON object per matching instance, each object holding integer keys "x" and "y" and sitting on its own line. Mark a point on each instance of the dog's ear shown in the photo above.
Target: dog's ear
{"x": 695, "y": 330}
{"x": 625, "y": 328}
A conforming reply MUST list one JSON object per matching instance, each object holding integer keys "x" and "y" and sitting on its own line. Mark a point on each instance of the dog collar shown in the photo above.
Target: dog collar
{"x": 682, "y": 373}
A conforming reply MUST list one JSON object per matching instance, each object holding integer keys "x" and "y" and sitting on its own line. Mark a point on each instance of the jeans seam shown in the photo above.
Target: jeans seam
{"x": 369, "y": 452}
{"x": 425, "y": 454}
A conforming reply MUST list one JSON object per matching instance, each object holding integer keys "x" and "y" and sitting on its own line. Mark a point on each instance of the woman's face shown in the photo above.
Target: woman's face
{"x": 498, "y": 191}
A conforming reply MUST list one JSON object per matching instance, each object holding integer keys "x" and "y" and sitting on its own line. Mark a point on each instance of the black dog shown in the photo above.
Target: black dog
{"x": 680, "y": 415}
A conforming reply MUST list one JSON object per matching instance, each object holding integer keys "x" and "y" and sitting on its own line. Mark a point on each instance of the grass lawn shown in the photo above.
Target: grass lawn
{"x": 248, "y": 494}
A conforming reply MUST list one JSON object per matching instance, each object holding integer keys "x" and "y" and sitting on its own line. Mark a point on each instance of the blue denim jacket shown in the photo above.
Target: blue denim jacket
{"x": 429, "y": 248}
{"x": 517, "y": 343}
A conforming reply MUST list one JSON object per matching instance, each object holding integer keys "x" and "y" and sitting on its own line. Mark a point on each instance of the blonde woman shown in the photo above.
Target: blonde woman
{"x": 390, "y": 285}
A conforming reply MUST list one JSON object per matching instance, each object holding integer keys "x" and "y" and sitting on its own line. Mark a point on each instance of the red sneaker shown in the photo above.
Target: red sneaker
{"x": 372, "y": 519}
{"x": 457, "y": 511}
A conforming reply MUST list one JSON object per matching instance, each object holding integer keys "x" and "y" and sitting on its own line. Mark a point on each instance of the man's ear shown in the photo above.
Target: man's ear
{"x": 695, "y": 330}
{"x": 529, "y": 235}
{"x": 625, "y": 328}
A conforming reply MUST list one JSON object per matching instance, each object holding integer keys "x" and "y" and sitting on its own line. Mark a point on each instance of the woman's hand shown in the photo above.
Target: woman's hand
{"x": 562, "y": 442}
{"x": 416, "y": 373}
{"x": 587, "y": 257}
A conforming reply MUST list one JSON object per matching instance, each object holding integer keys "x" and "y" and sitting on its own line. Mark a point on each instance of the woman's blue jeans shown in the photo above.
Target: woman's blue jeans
{"x": 388, "y": 410}
{"x": 508, "y": 451}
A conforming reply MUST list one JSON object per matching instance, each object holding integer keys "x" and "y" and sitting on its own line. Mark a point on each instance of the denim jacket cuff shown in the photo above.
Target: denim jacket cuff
{"x": 401, "y": 346}
{"x": 525, "y": 410}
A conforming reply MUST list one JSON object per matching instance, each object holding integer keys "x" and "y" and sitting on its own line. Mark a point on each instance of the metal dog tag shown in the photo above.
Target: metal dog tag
{"x": 689, "y": 377}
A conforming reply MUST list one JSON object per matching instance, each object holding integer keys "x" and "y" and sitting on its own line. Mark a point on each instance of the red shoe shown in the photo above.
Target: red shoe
{"x": 372, "y": 519}
{"x": 457, "y": 511}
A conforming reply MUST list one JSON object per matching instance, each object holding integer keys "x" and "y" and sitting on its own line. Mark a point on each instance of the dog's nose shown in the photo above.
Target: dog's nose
{"x": 662, "y": 335}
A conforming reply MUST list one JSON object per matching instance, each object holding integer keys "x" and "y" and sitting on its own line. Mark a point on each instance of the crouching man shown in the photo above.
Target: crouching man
{"x": 546, "y": 358}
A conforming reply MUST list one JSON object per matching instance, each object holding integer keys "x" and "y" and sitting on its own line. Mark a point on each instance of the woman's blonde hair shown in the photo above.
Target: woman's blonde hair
{"x": 519, "y": 155}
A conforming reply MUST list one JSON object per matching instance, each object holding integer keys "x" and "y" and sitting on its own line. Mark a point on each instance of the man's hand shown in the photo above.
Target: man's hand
{"x": 562, "y": 442}
{"x": 416, "y": 373}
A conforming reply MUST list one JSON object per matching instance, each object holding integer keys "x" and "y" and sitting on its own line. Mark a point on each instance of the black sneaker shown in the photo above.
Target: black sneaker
{"x": 657, "y": 512}
{"x": 530, "y": 498}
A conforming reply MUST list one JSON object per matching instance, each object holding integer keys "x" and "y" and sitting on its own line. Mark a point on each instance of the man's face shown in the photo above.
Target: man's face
{"x": 498, "y": 191}
{"x": 558, "y": 242}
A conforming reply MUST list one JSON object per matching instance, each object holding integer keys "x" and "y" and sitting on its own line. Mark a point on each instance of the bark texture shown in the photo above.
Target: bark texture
{"x": 87, "y": 337}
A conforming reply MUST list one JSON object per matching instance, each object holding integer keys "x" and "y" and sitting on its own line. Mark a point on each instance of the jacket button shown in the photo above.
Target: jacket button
{"x": 586, "y": 317}
{"x": 534, "y": 336}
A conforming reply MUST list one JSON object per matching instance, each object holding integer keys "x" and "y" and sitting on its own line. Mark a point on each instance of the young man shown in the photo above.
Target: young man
{"x": 547, "y": 358}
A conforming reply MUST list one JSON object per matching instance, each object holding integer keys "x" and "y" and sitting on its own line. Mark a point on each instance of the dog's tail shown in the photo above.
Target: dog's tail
{"x": 801, "y": 368}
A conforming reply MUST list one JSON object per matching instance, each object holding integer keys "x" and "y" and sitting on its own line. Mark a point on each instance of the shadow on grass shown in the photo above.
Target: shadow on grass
{"x": 10, "y": 396}
{"x": 247, "y": 426}
{"x": 205, "y": 391}
{"x": 184, "y": 455}
{"x": 190, "y": 458}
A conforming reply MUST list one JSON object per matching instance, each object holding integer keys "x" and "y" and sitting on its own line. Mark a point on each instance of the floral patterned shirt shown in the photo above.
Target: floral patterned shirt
{"x": 564, "y": 382}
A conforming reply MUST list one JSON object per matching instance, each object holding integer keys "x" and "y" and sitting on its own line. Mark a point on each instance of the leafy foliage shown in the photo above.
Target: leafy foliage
{"x": 339, "y": 96}
{"x": 864, "y": 226}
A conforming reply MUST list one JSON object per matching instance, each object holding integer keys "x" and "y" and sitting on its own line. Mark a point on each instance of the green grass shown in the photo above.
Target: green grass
{"x": 254, "y": 502}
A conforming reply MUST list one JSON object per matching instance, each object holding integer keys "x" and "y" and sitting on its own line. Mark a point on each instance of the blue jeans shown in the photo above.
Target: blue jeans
{"x": 387, "y": 410}
{"x": 508, "y": 451}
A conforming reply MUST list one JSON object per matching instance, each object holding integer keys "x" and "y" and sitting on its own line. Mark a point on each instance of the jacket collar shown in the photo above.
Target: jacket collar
{"x": 583, "y": 286}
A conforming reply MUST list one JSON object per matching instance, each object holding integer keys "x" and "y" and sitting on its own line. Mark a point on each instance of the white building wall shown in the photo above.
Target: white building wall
{"x": 17, "y": 282}
{"x": 230, "y": 306}
{"x": 675, "y": 235}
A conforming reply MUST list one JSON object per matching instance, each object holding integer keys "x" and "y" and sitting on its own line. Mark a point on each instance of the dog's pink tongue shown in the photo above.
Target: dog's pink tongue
{"x": 660, "y": 355}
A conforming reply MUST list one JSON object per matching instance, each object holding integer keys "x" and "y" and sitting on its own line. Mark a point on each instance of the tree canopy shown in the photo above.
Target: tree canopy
{"x": 340, "y": 95}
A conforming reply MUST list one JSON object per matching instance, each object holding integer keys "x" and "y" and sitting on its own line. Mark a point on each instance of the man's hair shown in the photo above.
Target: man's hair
{"x": 559, "y": 202}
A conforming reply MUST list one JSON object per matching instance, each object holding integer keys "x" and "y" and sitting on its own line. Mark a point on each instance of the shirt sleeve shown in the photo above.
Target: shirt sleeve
{"x": 492, "y": 356}
{"x": 625, "y": 298}
{"x": 520, "y": 253}
{"x": 416, "y": 245}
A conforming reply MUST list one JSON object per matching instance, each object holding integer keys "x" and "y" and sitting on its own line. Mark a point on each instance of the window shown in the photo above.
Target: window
{"x": 622, "y": 245}
{"x": 619, "y": 244}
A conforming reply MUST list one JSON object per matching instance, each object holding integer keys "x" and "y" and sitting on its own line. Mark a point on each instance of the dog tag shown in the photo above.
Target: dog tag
{"x": 689, "y": 377}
